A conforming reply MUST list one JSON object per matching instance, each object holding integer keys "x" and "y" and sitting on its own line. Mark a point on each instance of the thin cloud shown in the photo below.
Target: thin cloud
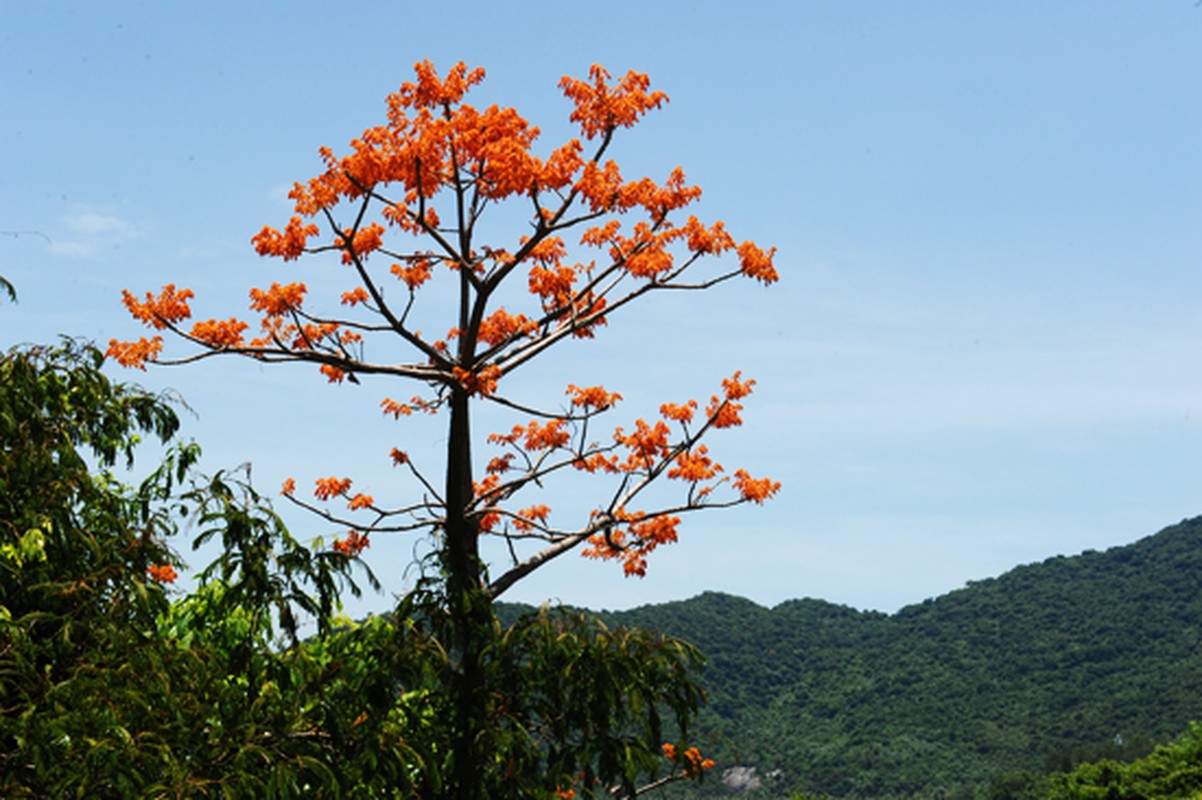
{"x": 93, "y": 232}
{"x": 100, "y": 225}
{"x": 72, "y": 249}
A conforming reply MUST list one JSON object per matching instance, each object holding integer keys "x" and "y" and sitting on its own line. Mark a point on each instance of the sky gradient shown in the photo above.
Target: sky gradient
{"x": 985, "y": 348}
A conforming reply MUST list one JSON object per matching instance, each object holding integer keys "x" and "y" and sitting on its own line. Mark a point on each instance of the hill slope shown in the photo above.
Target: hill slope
{"x": 1073, "y": 657}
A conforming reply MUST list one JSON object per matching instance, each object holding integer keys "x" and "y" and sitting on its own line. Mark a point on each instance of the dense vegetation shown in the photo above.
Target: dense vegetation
{"x": 1170, "y": 772}
{"x": 1043, "y": 668}
{"x": 112, "y": 685}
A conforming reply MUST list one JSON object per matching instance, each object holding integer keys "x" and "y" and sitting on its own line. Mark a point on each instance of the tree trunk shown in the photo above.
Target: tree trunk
{"x": 470, "y": 613}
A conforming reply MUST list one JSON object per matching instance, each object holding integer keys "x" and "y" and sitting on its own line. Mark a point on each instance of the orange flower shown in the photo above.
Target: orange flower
{"x": 482, "y": 383}
{"x": 679, "y": 413}
{"x": 543, "y": 437}
{"x": 360, "y": 501}
{"x": 353, "y": 544}
{"x": 756, "y": 490}
{"x": 561, "y": 165}
{"x": 601, "y": 108}
{"x": 331, "y": 487}
{"x": 693, "y": 762}
{"x": 135, "y": 354}
{"x": 486, "y": 485}
{"x": 592, "y": 397}
{"x": 708, "y": 241}
{"x": 290, "y": 244}
{"x": 734, "y": 389}
{"x": 398, "y": 457}
{"x": 220, "y": 334}
{"x": 430, "y": 92}
{"x": 499, "y": 464}
{"x": 552, "y": 284}
{"x": 169, "y": 307}
{"x": 601, "y": 187}
{"x": 288, "y": 487}
{"x": 756, "y": 263}
{"x": 355, "y": 296}
{"x": 647, "y": 444}
{"x": 309, "y": 335}
{"x": 163, "y": 573}
{"x": 397, "y": 410}
{"x": 674, "y": 194}
{"x": 332, "y": 373}
{"x": 597, "y": 462}
{"x": 528, "y": 516}
{"x": 500, "y": 325}
{"x": 634, "y": 544}
{"x": 695, "y": 466}
{"x": 724, "y": 413}
{"x": 364, "y": 241}
{"x": 586, "y": 314}
{"x": 278, "y": 300}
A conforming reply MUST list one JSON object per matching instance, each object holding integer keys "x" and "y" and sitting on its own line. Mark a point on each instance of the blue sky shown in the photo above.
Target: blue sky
{"x": 985, "y": 349}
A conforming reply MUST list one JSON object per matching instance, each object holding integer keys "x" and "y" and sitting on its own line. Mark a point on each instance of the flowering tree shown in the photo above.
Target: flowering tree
{"x": 403, "y": 210}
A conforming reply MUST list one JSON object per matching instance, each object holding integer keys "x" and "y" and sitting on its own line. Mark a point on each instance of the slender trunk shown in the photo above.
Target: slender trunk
{"x": 470, "y": 613}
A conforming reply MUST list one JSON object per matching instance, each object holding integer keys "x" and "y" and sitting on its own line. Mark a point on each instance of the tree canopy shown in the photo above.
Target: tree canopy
{"x": 411, "y": 206}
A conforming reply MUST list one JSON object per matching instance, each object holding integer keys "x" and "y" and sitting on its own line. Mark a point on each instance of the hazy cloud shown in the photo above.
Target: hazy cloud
{"x": 93, "y": 232}
{"x": 71, "y": 249}
{"x": 99, "y": 224}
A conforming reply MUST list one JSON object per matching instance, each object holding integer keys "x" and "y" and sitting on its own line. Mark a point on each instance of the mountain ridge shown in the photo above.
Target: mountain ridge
{"x": 1030, "y": 670}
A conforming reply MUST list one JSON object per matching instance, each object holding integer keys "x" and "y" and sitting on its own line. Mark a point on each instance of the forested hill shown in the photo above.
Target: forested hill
{"x": 1075, "y": 657}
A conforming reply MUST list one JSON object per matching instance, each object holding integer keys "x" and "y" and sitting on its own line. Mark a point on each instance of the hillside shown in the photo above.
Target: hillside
{"x": 1075, "y": 657}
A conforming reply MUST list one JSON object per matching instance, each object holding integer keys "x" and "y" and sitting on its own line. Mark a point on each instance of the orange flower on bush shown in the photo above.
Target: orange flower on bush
{"x": 163, "y": 573}
{"x": 693, "y": 762}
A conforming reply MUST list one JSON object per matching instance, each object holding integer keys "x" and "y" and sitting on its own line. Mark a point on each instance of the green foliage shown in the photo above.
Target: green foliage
{"x": 571, "y": 703}
{"x": 76, "y": 604}
{"x": 1053, "y": 664}
{"x": 1169, "y": 772}
{"x": 581, "y": 704}
{"x": 111, "y": 689}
